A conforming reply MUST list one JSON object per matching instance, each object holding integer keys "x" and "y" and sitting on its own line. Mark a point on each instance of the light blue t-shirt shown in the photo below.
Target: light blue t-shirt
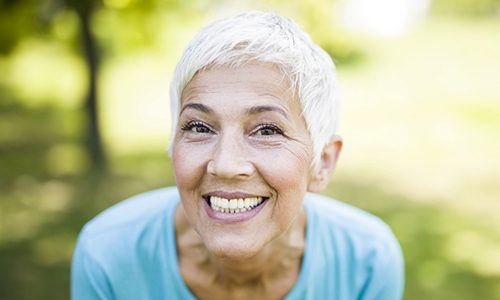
{"x": 129, "y": 252}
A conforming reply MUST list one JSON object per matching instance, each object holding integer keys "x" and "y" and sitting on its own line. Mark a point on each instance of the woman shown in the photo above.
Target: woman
{"x": 254, "y": 112}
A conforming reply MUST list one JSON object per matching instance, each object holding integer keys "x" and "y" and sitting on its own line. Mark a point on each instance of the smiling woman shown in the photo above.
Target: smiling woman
{"x": 254, "y": 111}
{"x": 238, "y": 151}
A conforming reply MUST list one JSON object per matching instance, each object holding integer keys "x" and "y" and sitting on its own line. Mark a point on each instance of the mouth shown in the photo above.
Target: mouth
{"x": 234, "y": 205}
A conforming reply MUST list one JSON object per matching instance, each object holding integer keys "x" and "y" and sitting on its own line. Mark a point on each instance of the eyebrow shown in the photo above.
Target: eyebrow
{"x": 254, "y": 110}
{"x": 265, "y": 108}
{"x": 197, "y": 106}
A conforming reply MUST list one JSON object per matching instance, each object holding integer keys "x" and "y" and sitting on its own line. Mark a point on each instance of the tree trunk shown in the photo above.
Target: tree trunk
{"x": 93, "y": 139}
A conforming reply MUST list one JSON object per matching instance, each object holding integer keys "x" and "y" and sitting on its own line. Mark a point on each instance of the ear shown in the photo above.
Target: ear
{"x": 328, "y": 162}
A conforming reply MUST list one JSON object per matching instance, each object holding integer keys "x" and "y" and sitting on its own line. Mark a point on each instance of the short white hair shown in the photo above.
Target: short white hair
{"x": 270, "y": 38}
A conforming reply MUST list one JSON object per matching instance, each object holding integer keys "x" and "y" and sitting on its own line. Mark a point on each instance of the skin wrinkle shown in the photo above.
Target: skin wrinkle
{"x": 232, "y": 262}
{"x": 261, "y": 257}
{"x": 248, "y": 38}
{"x": 299, "y": 158}
{"x": 196, "y": 106}
{"x": 252, "y": 281}
{"x": 254, "y": 110}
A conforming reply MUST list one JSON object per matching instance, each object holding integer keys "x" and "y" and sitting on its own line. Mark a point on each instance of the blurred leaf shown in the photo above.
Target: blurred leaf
{"x": 467, "y": 7}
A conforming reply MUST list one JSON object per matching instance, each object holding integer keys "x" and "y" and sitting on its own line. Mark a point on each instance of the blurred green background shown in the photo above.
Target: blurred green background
{"x": 420, "y": 120}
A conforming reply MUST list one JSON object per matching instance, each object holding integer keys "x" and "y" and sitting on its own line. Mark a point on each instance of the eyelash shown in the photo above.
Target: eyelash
{"x": 273, "y": 127}
{"x": 189, "y": 126}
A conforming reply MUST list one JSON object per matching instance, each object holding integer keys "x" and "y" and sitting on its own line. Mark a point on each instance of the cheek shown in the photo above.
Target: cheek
{"x": 286, "y": 172}
{"x": 188, "y": 166}
{"x": 286, "y": 169}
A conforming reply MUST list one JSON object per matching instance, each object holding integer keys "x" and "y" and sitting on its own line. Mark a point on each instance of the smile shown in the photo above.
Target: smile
{"x": 234, "y": 206}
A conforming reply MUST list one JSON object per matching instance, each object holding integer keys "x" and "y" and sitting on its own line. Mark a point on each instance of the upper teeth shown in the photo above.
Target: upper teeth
{"x": 234, "y": 205}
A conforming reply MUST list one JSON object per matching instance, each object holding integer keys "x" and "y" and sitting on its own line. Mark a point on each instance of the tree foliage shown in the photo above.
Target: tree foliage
{"x": 467, "y": 7}
{"x": 131, "y": 24}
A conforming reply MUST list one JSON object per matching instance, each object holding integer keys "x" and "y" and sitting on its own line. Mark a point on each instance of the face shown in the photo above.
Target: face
{"x": 241, "y": 155}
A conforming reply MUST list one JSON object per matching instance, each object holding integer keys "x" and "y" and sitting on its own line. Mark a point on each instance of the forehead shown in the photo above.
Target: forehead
{"x": 255, "y": 83}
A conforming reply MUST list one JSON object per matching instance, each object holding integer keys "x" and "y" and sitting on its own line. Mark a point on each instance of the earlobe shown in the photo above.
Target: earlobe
{"x": 328, "y": 162}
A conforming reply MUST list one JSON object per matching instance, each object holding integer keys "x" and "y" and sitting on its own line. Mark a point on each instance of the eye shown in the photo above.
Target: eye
{"x": 196, "y": 127}
{"x": 267, "y": 130}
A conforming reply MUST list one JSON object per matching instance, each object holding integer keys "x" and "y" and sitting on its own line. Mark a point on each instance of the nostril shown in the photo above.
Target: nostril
{"x": 227, "y": 167}
{"x": 210, "y": 167}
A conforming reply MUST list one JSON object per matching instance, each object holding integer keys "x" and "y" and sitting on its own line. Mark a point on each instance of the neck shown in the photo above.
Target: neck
{"x": 279, "y": 259}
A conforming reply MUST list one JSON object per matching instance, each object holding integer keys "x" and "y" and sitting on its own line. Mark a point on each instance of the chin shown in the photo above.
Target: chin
{"x": 233, "y": 250}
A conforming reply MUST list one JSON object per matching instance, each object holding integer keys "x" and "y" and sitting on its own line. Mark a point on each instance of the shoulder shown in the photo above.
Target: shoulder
{"x": 341, "y": 218}
{"x": 140, "y": 208}
{"x": 124, "y": 249}
{"x": 357, "y": 245}
{"x": 128, "y": 223}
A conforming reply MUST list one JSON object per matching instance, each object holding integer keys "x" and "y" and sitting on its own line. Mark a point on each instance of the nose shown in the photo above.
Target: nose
{"x": 229, "y": 159}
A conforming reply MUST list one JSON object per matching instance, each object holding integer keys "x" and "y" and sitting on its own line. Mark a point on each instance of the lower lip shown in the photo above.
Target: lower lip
{"x": 232, "y": 218}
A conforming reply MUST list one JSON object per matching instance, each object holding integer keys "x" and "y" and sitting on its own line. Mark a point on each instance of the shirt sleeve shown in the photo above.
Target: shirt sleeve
{"x": 88, "y": 278}
{"x": 386, "y": 280}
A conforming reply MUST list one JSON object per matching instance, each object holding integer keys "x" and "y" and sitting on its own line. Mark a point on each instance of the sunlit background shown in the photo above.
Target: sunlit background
{"x": 420, "y": 83}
